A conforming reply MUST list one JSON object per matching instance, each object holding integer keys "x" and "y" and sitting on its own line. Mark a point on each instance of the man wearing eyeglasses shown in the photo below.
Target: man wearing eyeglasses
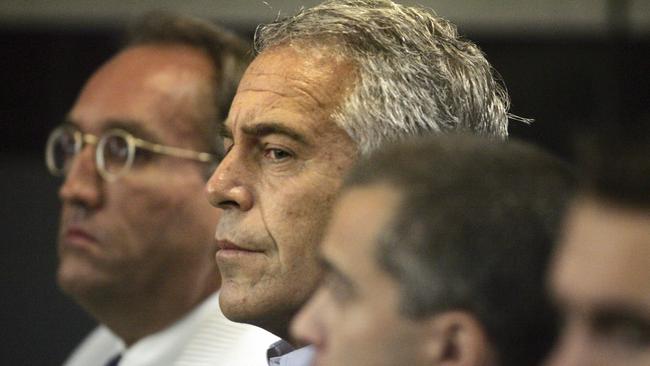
{"x": 135, "y": 243}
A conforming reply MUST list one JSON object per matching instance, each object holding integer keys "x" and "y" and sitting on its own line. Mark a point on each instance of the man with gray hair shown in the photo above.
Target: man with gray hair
{"x": 330, "y": 84}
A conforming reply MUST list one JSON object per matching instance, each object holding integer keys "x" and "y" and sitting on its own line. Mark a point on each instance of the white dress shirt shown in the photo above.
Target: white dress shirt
{"x": 203, "y": 337}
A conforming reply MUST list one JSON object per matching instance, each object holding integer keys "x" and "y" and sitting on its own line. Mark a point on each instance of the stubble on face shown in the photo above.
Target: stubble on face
{"x": 297, "y": 90}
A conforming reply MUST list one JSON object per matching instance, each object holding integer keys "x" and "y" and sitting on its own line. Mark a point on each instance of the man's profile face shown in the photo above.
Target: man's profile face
{"x": 354, "y": 317}
{"x": 600, "y": 278}
{"x": 150, "y": 231}
{"x": 285, "y": 162}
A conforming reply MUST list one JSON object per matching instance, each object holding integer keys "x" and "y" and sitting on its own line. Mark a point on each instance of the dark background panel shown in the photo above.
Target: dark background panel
{"x": 41, "y": 71}
{"x": 39, "y": 324}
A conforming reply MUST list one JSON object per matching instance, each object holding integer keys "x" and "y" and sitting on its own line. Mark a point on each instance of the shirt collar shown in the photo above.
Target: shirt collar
{"x": 293, "y": 357}
{"x": 159, "y": 348}
{"x": 279, "y": 348}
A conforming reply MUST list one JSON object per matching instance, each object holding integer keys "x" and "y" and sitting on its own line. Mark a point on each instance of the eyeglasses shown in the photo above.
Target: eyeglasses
{"x": 115, "y": 151}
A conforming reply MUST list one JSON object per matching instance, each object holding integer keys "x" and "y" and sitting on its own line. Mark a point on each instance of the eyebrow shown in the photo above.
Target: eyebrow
{"x": 331, "y": 269}
{"x": 274, "y": 128}
{"x": 622, "y": 313}
{"x": 134, "y": 127}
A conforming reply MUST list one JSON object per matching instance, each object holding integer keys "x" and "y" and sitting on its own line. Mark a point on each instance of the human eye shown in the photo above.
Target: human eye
{"x": 341, "y": 291}
{"x": 115, "y": 149}
{"x": 624, "y": 331}
{"x": 277, "y": 154}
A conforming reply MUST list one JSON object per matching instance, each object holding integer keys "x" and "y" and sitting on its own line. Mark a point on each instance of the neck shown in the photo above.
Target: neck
{"x": 278, "y": 325}
{"x": 135, "y": 316}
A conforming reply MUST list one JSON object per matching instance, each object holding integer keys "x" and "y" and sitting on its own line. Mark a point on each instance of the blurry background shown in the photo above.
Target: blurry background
{"x": 568, "y": 64}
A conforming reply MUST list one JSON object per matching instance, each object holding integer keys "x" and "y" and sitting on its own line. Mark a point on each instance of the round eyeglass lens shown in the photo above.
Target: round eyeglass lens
{"x": 115, "y": 153}
{"x": 62, "y": 145}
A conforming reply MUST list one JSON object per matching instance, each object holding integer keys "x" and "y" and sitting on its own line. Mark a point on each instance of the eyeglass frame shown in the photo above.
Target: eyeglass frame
{"x": 133, "y": 143}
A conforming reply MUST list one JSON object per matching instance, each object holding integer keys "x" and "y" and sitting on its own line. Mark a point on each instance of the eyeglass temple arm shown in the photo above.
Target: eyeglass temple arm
{"x": 175, "y": 151}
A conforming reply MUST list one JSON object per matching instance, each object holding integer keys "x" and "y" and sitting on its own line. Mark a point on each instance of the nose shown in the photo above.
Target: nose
{"x": 229, "y": 187}
{"x": 82, "y": 183}
{"x": 308, "y": 325}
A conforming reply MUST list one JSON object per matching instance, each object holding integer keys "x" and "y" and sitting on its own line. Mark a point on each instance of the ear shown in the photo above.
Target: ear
{"x": 456, "y": 338}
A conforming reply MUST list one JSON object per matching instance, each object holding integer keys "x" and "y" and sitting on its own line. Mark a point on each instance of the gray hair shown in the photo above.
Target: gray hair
{"x": 416, "y": 75}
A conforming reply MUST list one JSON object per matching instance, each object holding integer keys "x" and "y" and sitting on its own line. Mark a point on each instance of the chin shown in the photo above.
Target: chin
{"x": 81, "y": 280}
{"x": 73, "y": 282}
{"x": 233, "y": 302}
{"x": 245, "y": 305}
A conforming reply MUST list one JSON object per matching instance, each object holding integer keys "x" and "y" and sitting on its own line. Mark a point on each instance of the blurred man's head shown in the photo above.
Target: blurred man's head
{"x": 601, "y": 273}
{"x": 135, "y": 244}
{"x": 330, "y": 84}
{"x": 435, "y": 255}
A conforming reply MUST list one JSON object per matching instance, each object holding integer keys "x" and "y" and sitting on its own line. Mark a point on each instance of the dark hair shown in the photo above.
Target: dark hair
{"x": 474, "y": 231}
{"x": 229, "y": 54}
{"x": 614, "y": 163}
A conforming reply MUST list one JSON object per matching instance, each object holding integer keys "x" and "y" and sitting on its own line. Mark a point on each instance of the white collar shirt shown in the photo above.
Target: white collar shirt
{"x": 203, "y": 337}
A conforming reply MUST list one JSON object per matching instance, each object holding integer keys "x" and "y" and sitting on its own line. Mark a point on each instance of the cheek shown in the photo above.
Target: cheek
{"x": 356, "y": 336}
{"x": 152, "y": 214}
{"x": 623, "y": 356}
{"x": 136, "y": 225}
{"x": 364, "y": 324}
{"x": 296, "y": 214}
{"x": 146, "y": 203}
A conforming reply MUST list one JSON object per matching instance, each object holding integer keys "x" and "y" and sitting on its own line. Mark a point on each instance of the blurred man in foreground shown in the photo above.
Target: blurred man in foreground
{"x": 135, "y": 245}
{"x": 435, "y": 255}
{"x": 330, "y": 84}
{"x": 601, "y": 273}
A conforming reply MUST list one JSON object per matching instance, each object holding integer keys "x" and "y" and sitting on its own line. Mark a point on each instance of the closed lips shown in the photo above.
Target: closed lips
{"x": 227, "y": 245}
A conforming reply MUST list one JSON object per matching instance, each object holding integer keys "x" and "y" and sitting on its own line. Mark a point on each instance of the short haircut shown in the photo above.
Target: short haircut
{"x": 229, "y": 54}
{"x": 614, "y": 163}
{"x": 474, "y": 231}
{"x": 415, "y": 74}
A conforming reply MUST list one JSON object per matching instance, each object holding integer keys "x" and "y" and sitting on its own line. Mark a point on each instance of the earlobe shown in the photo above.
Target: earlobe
{"x": 456, "y": 338}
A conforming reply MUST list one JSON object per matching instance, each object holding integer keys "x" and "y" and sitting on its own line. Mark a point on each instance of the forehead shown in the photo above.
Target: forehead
{"x": 299, "y": 86}
{"x": 360, "y": 216}
{"x": 604, "y": 255}
{"x": 164, "y": 89}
